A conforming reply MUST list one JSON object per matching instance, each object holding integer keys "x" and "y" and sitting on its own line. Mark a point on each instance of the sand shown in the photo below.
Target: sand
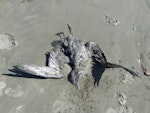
{"x": 120, "y": 27}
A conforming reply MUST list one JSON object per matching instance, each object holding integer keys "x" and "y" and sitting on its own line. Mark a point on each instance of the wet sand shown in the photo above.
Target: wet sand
{"x": 121, "y": 28}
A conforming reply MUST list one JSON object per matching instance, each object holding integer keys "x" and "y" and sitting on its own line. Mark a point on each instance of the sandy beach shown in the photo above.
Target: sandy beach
{"x": 121, "y": 28}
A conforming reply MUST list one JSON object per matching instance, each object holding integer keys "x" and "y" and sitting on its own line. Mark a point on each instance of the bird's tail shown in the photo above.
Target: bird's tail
{"x": 112, "y": 65}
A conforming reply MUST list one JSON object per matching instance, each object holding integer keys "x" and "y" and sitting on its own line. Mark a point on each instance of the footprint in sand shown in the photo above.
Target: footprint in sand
{"x": 121, "y": 109}
{"x": 111, "y": 20}
{"x": 121, "y": 98}
{"x": 92, "y": 2}
{"x": 19, "y": 109}
{"x": 59, "y": 2}
{"x": 15, "y": 90}
{"x": 7, "y": 41}
{"x": 126, "y": 78}
{"x": 24, "y": 1}
{"x": 2, "y": 86}
{"x": 64, "y": 103}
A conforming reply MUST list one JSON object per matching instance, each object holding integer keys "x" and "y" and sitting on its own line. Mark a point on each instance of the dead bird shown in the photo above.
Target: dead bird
{"x": 73, "y": 51}
{"x": 78, "y": 54}
{"x": 54, "y": 69}
{"x": 99, "y": 56}
{"x": 67, "y": 50}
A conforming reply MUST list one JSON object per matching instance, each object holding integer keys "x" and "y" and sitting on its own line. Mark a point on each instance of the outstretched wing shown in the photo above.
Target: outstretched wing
{"x": 54, "y": 70}
{"x": 42, "y": 71}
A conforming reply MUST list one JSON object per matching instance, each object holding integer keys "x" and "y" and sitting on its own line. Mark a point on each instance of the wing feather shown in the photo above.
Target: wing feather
{"x": 42, "y": 71}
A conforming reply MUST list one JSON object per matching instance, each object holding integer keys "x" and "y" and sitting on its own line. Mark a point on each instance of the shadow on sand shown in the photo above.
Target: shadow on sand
{"x": 97, "y": 72}
{"x": 47, "y": 55}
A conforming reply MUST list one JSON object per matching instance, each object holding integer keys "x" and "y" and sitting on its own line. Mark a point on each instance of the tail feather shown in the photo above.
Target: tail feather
{"x": 112, "y": 65}
{"x": 42, "y": 71}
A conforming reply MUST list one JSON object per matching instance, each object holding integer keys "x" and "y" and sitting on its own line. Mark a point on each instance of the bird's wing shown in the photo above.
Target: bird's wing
{"x": 57, "y": 43}
{"x": 42, "y": 71}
